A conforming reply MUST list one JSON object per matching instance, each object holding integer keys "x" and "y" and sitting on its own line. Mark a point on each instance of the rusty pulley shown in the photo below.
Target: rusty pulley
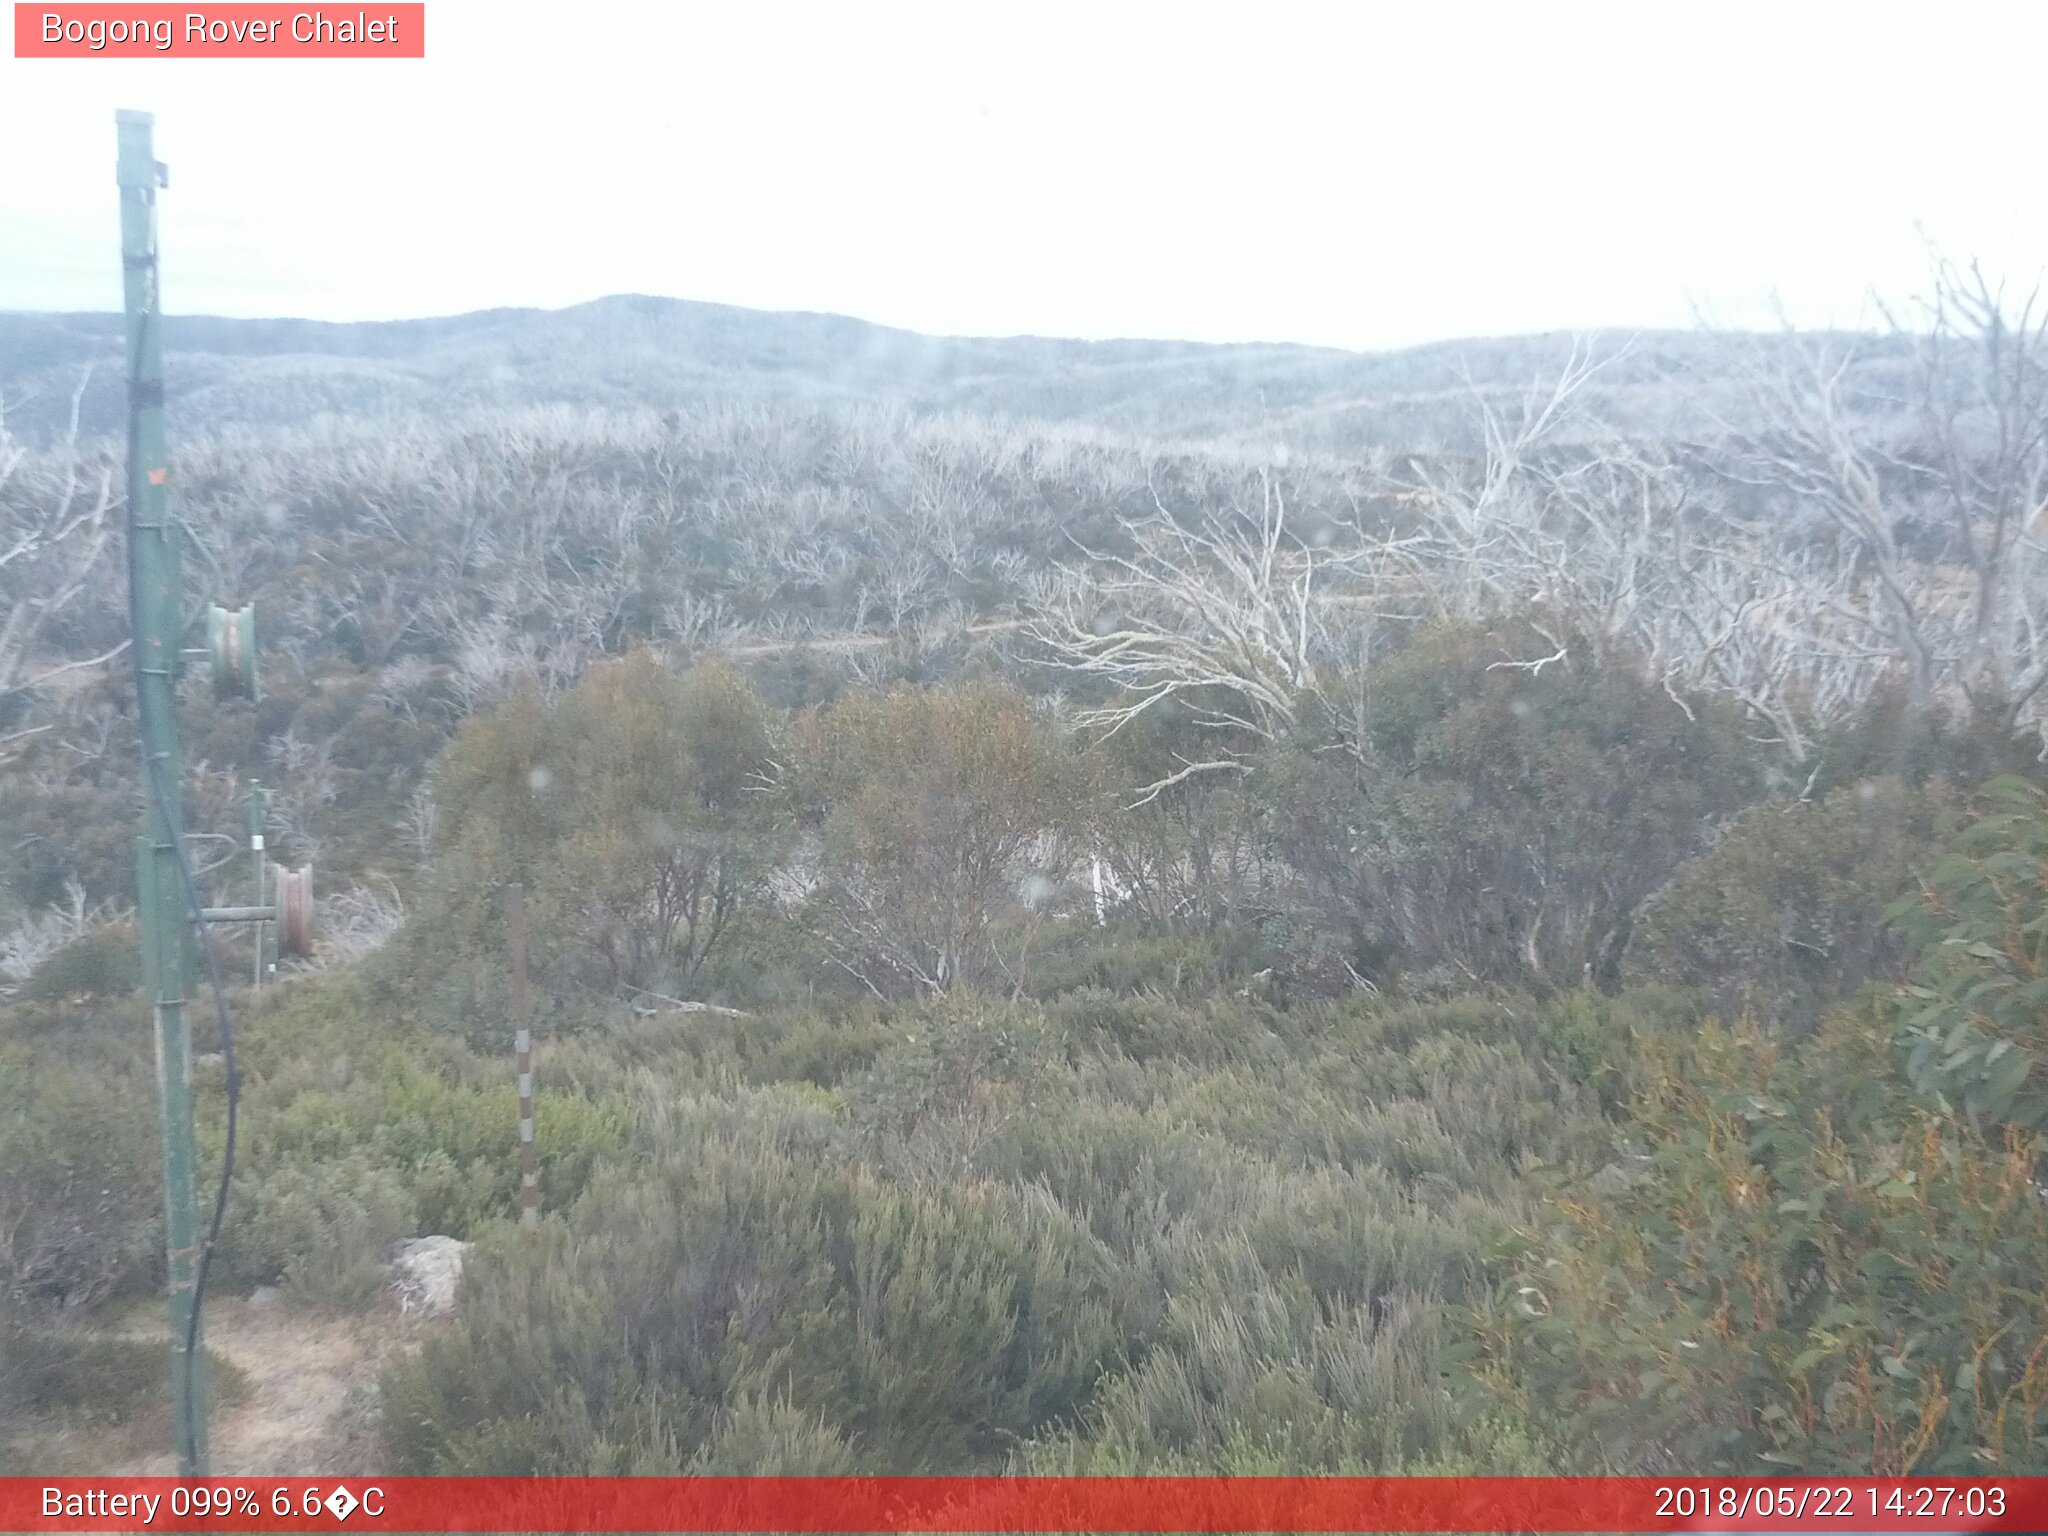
{"x": 294, "y": 889}
{"x": 231, "y": 650}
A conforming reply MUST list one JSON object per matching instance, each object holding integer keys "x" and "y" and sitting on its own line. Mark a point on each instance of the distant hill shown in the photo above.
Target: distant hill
{"x": 642, "y": 351}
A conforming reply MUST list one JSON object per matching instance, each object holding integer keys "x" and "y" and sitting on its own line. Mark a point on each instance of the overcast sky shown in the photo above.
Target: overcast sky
{"x": 1360, "y": 175}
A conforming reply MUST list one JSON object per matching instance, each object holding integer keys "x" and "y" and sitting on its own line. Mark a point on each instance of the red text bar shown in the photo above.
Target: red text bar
{"x": 1849, "y": 1506}
{"x": 230, "y": 31}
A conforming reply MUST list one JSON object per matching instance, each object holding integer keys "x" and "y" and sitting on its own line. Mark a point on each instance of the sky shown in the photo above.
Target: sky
{"x": 1358, "y": 175}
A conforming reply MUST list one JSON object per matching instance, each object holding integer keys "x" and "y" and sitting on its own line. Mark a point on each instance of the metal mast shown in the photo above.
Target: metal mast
{"x": 157, "y": 599}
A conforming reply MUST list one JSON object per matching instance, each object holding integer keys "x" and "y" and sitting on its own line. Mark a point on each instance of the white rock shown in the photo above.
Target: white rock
{"x": 424, "y": 1271}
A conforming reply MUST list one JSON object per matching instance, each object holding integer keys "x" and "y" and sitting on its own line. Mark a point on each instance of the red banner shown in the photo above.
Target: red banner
{"x": 1850, "y": 1506}
{"x": 376, "y": 30}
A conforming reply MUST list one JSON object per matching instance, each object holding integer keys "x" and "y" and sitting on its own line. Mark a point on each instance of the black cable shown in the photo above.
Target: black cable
{"x": 153, "y": 774}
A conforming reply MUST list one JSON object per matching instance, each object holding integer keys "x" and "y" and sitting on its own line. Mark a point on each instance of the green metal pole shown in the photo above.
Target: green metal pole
{"x": 259, "y": 819}
{"x": 154, "y": 570}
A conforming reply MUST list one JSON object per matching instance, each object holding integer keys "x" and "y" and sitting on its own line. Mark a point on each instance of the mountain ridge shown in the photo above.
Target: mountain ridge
{"x": 642, "y": 350}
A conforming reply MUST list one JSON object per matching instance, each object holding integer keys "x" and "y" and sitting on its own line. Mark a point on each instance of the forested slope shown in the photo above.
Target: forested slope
{"x": 1095, "y": 907}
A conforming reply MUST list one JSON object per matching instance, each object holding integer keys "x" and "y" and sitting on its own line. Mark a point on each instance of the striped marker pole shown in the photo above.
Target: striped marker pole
{"x": 522, "y": 1043}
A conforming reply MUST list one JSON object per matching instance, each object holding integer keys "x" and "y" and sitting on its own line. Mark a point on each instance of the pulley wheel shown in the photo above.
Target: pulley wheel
{"x": 295, "y": 909}
{"x": 231, "y": 649}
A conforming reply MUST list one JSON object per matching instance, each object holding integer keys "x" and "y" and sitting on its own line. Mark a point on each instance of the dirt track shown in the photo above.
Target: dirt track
{"x": 309, "y": 1409}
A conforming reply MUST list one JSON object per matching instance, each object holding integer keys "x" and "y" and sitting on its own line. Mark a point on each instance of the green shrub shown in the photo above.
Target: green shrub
{"x": 324, "y": 1231}
{"x": 629, "y": 807}
{"x": 1794, "y": 1265}
{"x": 88, "y": 1379}
{"x": 776, "y": 1045}
{"x": 924, "y": 1327}
{"x": 1266, "y": 1382}
{"x": 1975, "y": 1028}
{"x": 1124, "y": 960}
{"x": 80, "y": 1192}
{"x": 1149, "y": 1027}
{"x": 1786, "y": 915}
{"x": 443, "y": 1123}
{"x": 103, "y": 963}
{"x": 1804, "y": 1255}
{"x": 754, "y": 1437}
{"x": 944, "y": 821}
{"x": 959, "y": 1058}
{"x": 1486, "y": 822}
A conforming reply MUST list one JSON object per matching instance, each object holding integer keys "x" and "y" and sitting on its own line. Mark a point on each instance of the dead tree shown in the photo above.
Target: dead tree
{"x": 1227, "y": 615}
{"x": 55, "y": 520}
{"x": 1937, "y": 489}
